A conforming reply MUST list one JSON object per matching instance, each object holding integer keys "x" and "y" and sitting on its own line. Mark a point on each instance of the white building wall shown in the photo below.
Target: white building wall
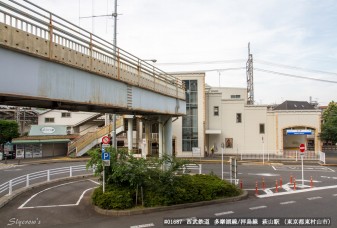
{"x": 254, "y": 141}
{"x": 74, "y": 119}
{"x": 177, "y": 125}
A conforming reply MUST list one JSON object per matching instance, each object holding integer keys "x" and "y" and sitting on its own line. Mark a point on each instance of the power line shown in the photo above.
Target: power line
{"x": 206, "y": 62}
{"x": 295, "y": 76}
{"x": 294, "y": 67}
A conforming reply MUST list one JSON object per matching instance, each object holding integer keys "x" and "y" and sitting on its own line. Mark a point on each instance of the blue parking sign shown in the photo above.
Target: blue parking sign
{"x": 105, "y": 156}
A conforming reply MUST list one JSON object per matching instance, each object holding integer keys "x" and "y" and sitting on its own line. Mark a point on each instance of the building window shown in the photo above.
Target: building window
{"x": 216, "y": 110}
{"x": 190, "y": 120}
{"x": 261, "y": 128}
{"x": 65, "y": 114}
{"x": 235, "y": 96}
{"x": 238, "y": 117}
{"x": 49, "y": 120}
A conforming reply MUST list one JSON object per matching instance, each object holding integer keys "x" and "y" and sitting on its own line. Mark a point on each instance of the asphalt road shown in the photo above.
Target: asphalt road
{"x": 61, "y": 205}
{"x": 68, "y": 204}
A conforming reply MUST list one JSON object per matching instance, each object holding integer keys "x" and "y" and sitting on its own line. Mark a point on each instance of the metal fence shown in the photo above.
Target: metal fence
{"x": 41, "y": 176}
{"x": 291, "y": 155}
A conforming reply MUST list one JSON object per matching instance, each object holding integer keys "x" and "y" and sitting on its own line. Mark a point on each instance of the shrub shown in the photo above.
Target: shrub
{"x": 113, "y": 198}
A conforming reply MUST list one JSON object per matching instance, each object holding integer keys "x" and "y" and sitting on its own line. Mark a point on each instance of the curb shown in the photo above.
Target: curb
{"x": 7, "y": 198}
{"x": 166, "y": 208}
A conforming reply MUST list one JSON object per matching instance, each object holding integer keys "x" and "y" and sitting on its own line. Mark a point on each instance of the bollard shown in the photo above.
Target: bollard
{"x": 256, "y": 190}
{"x": 240, "y": 184}
{"x": 311, "y": 182}
{"x": 291, "y": 179}
{"x": 281, "y": 182}
{"x": 276, "y": 186}
{"x": 263, "y": 185}
{"x": 27, "y": 180}
{"x": 294, "y": 184}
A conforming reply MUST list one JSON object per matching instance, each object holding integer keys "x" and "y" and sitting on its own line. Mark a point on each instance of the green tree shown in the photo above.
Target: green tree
{"x": 9, "y": 129}
{"x": 329, "y": 125}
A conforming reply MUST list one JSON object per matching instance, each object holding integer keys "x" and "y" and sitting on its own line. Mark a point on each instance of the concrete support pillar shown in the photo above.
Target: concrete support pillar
{"x": 130, "y": 134}
{"x": 147, "y": 145}
{"x": 160, "y": 138}
{"x": 168, "y": 136}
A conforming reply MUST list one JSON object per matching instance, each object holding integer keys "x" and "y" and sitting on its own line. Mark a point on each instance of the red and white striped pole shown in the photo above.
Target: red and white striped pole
{"x": 276, "y": 186}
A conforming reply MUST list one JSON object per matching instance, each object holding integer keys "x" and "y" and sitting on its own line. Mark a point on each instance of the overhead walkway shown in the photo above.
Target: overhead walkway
{"x": 49, "y": 62}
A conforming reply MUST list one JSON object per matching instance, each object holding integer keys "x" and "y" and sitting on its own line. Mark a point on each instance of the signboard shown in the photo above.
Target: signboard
{"x": 106, "y": 162}
{"x": 106, "y": 139}
{"x": 302, "y": 148}
{"x": 20, "y": 153}
{"x": 105, "y": 155}
{"x": 47, "y": 130}
{"x": 299, "y": 132}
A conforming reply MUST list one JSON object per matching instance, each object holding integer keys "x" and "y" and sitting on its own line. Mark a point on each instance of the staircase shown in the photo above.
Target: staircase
{"x": 83, "y": 144}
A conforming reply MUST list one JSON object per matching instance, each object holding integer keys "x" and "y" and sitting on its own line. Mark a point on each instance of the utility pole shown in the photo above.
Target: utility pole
{"x": 107, "y": 116}
{"x": 114, "y": 135}
{"x": 250, "y": 78}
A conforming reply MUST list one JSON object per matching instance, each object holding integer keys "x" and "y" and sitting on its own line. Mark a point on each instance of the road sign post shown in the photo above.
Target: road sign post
{"x": 105, "y": 162}
{"x": 302, "y": 151}
{"x": 222, "y": 152}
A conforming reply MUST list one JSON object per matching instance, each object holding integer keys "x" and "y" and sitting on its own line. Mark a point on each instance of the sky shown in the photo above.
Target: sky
{"x": 287, "y": 38}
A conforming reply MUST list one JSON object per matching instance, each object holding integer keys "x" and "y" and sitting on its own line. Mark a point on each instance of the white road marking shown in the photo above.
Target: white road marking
{"x": 143, "y": 225}
{"x": 287, "y": 202}
{"x": 224, "y": 213}
{"x": 62, "y": 205}
{"x": 95, "y": 182}
{"x": 334, "y": 194}
{"x": 256, "y": 208}
{"x": 298, "y": 191}
{"x": 314, "y": 198}
{"x": 10, "y": 170}
{"x": 265, "y": 174}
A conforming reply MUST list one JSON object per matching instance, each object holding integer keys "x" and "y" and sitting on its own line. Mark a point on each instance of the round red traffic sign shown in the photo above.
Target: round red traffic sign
{"x": 302, "y": 148}
{"x": 105, "y": 140}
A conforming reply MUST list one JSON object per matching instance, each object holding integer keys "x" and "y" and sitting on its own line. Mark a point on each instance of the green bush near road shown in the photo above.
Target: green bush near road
{"x": 132, "y": 182}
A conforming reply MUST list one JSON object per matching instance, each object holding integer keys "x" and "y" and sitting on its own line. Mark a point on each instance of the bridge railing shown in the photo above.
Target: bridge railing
{"x": 29, "y": 28}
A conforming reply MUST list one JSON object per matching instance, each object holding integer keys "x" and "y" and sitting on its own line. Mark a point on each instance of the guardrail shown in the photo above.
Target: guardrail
{"x": 322, "y": 157}
{"x": 43, "y": 176}
{"x": 29, "y": 28}
{"x": 192, "y": 167}
{"x": 284, "y": 155}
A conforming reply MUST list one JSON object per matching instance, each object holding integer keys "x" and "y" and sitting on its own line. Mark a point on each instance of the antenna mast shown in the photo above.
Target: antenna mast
{"x": 250, "y": 78}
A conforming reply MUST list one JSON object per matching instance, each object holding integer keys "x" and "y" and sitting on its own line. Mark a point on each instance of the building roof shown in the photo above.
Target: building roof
{"x": 295, "y": 105}
{"x": 44, "y": 139}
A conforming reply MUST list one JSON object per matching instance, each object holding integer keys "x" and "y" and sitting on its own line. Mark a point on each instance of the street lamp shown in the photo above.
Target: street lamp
{"x": 150, "y": 60}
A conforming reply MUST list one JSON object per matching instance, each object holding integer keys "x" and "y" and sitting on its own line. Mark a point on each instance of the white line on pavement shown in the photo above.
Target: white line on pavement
{"x": 62, "y": 205}
{"x": 314, "y": 198}
{"x": 298, "y": 191}
{"x": 95, "y": 182}
{"x": 256, "y": 208}
{"x": 334, "y": 194}
{"x": 287, "y": 202}
{"x": 224, "y": 213}
{"x": 143, "y": 225}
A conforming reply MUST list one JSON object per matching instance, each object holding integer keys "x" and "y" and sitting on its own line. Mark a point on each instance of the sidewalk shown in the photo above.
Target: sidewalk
{"x": 31, "y": 161}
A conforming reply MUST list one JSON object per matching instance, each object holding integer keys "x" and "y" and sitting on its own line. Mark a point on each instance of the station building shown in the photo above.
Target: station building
{"x": 220, "y": 116}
